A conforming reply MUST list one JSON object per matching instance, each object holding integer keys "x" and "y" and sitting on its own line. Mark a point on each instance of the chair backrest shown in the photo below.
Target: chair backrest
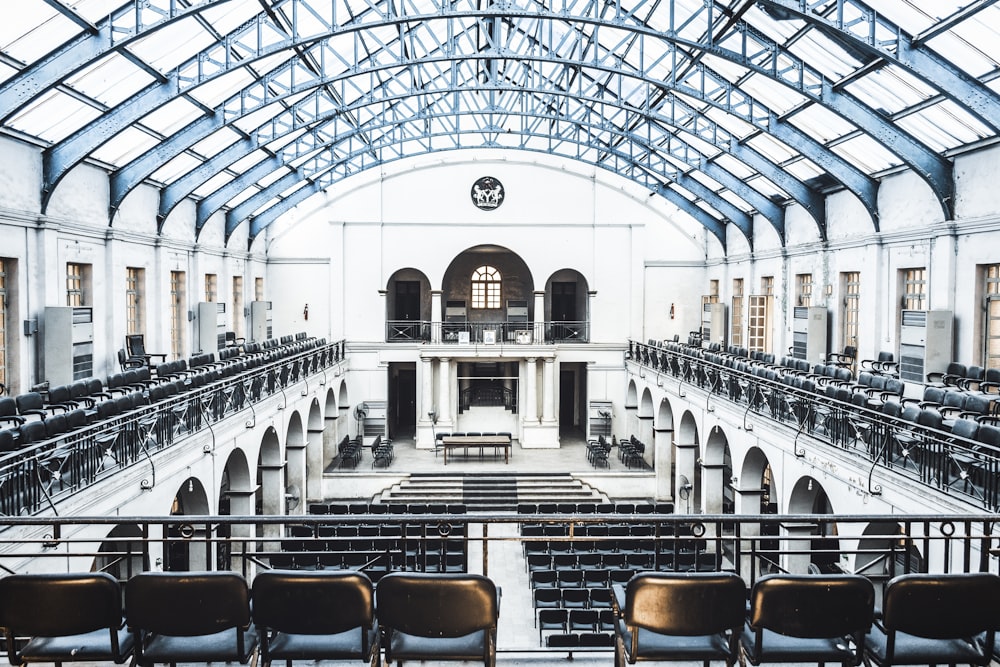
{"x": 136, "y": 345}
{"x": 187, "y": 604}
{"x": 688, "y": 604}
{"x": 62, "y": 605}
{"x": 942, "y": 606}
{"x": 314, "y": 603}
{"x": 812, "y": 606}
{"x": 436, "y": 605}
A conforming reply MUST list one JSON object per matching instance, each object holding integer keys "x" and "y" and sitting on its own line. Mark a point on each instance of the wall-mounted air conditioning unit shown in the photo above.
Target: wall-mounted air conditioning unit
{"x": 809, "y": 333}
{"x": 260, "y": 320}
{"x": 68, "y": 344}
{"x": 211, "y": 326}
{"x": 926, "y": 342}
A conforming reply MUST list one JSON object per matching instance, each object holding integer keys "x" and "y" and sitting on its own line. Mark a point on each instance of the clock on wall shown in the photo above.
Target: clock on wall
{"x": 487, "y": 193}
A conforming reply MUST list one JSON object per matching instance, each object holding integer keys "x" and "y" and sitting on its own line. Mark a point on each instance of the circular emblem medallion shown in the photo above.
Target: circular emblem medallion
{"x": 487, "y": 193}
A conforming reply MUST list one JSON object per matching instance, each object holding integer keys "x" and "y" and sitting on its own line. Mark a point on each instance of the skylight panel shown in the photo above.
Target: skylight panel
{"x": 31, "y": 28}
{"x": 174, "y": 168}
{"x": 889, "y": 91}
{"x": 211, "y": 185}
{"x": 53, "y": 116}
{"x": 216, "y": 142}
{"x": 804, "y": 170}
{"x": 125, "y": 146}
{"x": 866, "y": 154}
{"x": 6, "y": 71}
{"x": 821, "y": 123}
{"x": 216, "y": 91}
{"x": 172, "y": 116}
{"x": 173, "y": 44}
{"x": 771, "y": 148}
{"x": 776, "y": 96}
{"x": 111, "y": 80}
{"x": 944, "y": 126}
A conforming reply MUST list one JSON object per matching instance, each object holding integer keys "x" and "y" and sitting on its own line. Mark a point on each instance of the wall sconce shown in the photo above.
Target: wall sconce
{"x": 671, "y": 311}
{"x": 733, "y": 480}
{"x": 305, "y": 312}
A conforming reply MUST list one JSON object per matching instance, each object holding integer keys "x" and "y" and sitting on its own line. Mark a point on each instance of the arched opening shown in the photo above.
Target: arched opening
{"x": 186, "y": 548}
{"x": 122, "y": 554}
{"x": 811, "y": 547}
{"x": 885, "y": 551}
{"x": 294, "y": 483}
{"x": 717, "y": 474}
{"x": 236, "y": 494}
{"x": 487, "y": 292}
{"x": 408, "y": 306}
{"x": 567, "y": 307}
{"x": 688, "y": 481}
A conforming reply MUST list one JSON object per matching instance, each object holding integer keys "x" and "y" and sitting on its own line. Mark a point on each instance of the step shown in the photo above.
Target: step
{"x": 492, "y": 493}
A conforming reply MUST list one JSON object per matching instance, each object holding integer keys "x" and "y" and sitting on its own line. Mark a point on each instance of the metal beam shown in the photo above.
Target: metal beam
{"x": 62, "y": 157}
{"x": 888, "y": 41}
{"x": 122, "y": 26}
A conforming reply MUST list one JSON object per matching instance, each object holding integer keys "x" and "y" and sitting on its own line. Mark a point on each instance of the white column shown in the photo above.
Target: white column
{"x": 444, "y": 391}
{"x": 539, "y": 334}
{"x": 426, "y": 388}
{"x": 530, "y": 392}
{"x": 549, "y": 390}
{"x": 435, "y": 316}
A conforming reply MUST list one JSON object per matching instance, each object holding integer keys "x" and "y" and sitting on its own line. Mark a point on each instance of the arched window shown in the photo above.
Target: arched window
{"x": 486, "y": 287}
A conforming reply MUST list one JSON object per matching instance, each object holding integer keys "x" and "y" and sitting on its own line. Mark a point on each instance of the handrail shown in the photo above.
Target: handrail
{"x": 949, "y": 463}
{"x": 56, "y": 468}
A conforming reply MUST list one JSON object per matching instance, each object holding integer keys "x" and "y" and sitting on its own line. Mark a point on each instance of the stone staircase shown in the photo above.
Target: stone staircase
{"x": 496, "y": 492}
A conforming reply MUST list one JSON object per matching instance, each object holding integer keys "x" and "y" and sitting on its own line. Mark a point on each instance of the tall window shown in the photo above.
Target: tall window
{"x": 991, "y": 276}
{"x": 77, "y": 284}
{"x": 5, "y": 265}
{"x": 850, "y": 283}
{"x": 915, "y": 289}
{"x": 178, "y": 310}
{"x": 211, "y": 287}
{"x": 486, "y": 287}
{"x": 767, "y": 285}
{"x": 803, "y": 289}
{"x": 134, "y": 306}
{"x": 238, "y": 306}
{"x": 258, "y": 289}
{"x": 737, "y": 313}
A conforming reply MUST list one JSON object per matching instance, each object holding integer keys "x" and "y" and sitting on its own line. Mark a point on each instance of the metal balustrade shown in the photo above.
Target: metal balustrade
{"x": 488, "y": 333}
{"x": 937, "y": 458}
{"x": 876, "y": 546}
{"x": 38, "y": 475}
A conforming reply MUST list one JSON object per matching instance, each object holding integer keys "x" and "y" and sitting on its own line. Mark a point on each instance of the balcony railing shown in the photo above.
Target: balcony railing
{"x": 38, "y": 475}
{"x": 487, "y": 333}
{"x": 555, "y": 550}
{"x": 936, "y": 458}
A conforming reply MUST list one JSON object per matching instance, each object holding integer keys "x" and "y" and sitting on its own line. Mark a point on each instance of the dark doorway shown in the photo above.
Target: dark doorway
{"x": 402, "y": 400}
{"x": 564, "y": 302}
{"x": 572, "y": 399}
{"x": 407, "y": 300}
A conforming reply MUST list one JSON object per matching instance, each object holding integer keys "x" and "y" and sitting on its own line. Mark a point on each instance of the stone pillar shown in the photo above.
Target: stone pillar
{"x": 295, "y": 475}
{"x": 549, "y": 390}
{"x": 315, "y": 462}
{"x": 539, "y": 334}
{"x": 712, "y": 487}
{"x": 686, "y": 502}
{"x": 530, "y": 410}
{"x": 444, "y": 392}
{"x": 748, "y": 502}
{"x": 272, "y": 486}
{"x": 663, "y": 462}
{"x": 797, "y": 550}
{"x": 436, "y": 316}
{"x": 426, "y": 389}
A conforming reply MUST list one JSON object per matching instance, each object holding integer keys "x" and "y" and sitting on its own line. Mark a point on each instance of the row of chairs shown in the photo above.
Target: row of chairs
{"x": 217, "y": 617}
{"x": 591, "y": 627}
{"x": 586, "y": 507}
{"x": 335, "y": 507}
{"x": 382, "y": 452}
{"x": 349, "y": 452}
{"x": 924, "y": 619}
{"x": 574, "y": 598}
{"x": 631, "y": 451}
{"x": 598, "y": 452}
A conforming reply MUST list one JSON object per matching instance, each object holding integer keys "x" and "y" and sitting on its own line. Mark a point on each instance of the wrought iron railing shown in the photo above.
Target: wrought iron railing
{"x": 554, "y": 550}
{"x": 940, "y": 459}
{"x": 487, "y": 333}
{"x": 487, "y": 396}
{"x": 38, "y": 475}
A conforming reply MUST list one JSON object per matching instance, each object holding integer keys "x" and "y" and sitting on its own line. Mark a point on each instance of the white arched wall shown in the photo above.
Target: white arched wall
{"x": 663, "y": 450}
{"x": 686, "y": 456}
